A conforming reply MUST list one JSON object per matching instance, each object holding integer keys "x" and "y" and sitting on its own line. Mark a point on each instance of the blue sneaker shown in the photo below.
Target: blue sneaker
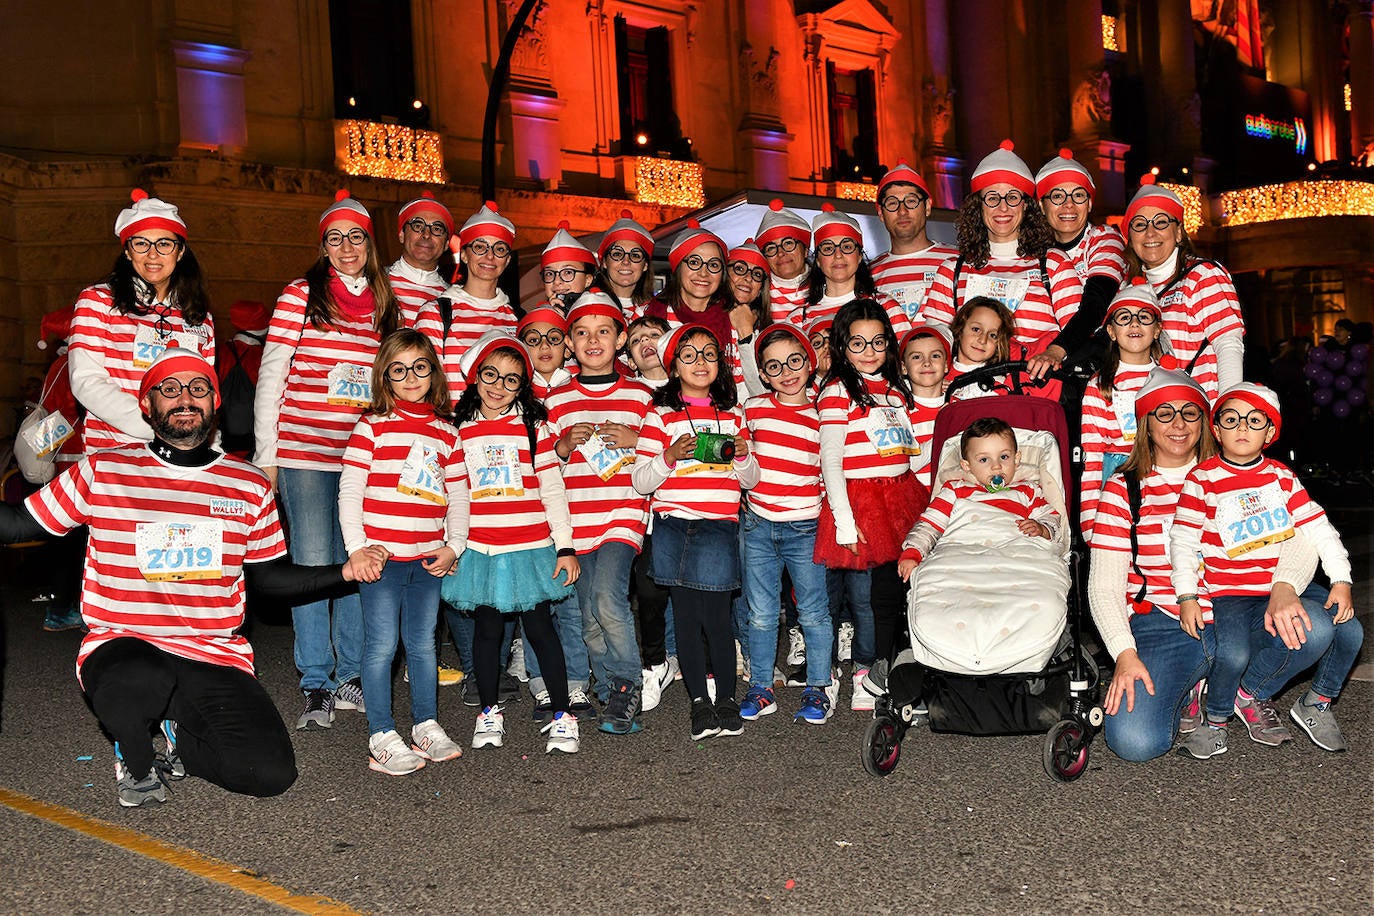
{"x": 757, "y": 702}
{"x": 815, "y": 707}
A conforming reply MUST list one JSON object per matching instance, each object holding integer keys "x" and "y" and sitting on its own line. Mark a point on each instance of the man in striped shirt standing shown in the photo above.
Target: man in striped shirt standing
{"x": 176, "y": 527}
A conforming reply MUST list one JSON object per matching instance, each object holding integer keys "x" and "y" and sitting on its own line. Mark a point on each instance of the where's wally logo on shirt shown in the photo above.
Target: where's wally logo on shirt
{"x": 224, "y": 507}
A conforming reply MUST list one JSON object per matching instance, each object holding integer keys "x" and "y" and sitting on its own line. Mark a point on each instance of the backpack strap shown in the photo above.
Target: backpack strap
{"x": 954, "y": 286}
{"x": 445, "y": 305}
{"x": 1134, "y": 500}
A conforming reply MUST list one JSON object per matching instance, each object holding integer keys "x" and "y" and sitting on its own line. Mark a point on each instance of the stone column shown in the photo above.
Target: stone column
{"x": 941, "y": 165}
{"x": 1360, "y": 20}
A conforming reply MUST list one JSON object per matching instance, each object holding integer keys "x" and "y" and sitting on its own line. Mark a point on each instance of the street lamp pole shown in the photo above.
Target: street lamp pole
{"x": 499, "y": 75}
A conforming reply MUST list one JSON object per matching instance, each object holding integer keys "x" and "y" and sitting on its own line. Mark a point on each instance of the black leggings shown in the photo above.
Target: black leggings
{"x": 539, "y": 634}
{"x": 887, "y": 594}
{"x": 698, "y": 614}
{"x": 651, "y": 605}
{"x": 228, "y": 729}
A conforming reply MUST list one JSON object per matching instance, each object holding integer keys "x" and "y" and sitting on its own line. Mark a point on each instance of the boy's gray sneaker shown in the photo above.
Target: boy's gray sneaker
{"x": 134, "y": 792}
{"x": 1205, "y": 742}
{"x": 349, "y": 695}
{"x": 319, "y": 709}
{"x": 1262, "y": 721}
{"x": 1319, "y": 723}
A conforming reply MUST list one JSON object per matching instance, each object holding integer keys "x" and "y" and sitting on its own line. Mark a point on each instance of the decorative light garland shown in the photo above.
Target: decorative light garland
{"x": 1296, "y": 200}
{"x": 1192, "y": 204}
{"x": 671, "y": 182}
{"x": 390, "y": 151}
{"x": 1109, "y": 39}
{"x": 856, "y": 190}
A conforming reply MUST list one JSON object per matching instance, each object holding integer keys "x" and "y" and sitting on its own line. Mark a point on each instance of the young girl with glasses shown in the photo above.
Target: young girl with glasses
{"x": 399, "y": 490}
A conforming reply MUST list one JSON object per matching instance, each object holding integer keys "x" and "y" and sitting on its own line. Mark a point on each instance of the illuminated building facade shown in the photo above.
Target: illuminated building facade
{"x": 249, "y": 115}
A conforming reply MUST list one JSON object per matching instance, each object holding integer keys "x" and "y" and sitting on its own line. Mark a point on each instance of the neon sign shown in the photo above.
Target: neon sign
{"x": 1267, "y": 128}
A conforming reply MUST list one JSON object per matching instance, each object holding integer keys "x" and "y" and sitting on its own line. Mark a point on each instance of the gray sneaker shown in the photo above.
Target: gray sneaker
{"x": 1207, "y": 741}
{"x": 1319, "y": 723}
{"x": 875, "y": 681}
{"x": 1262, "y": 721}
{"x": 134, "y": 792}
{"x": 1194, "y": 711}
{"x": 319, "y": 709}
{"x": 171, "y": 759}
{"x": 349, "y": 695}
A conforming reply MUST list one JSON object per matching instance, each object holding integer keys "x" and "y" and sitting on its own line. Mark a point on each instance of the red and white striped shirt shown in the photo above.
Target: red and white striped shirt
{"x": 108, "y": 354}
{"x": 906, "y": 278}
{"x": 542, "y": 389}
{"x": 787, "y": 443}
{"x": 1236, "y": 518}
{"x": 602, "y": 500}
{"x": 786, "y": 296}
{"x": 413, "y": 287}
{"x": 923, "y": 428}
{"x": 164, "y": 562}
{"x": 829, "y": 307}
{"x": 690, "y": 488}
{"x": 472, "y": 317}
{"x": 1112, "y": 531}
{"x": 400, "y": 484}
{"x": 313, "y": 385}
{"x": 866, "y": 451}
{"x": 1100, "y": 252}
{"x": 1017, "y": 283}
{"x": 1107, "y": 429}
{"x": 1200, "y": 307}
{"x": 1023, "y": 500}
{"x": 514, "y": 504}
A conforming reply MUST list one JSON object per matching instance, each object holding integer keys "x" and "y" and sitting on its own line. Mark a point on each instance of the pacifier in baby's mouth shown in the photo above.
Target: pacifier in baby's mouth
{"x": 996, "y": 484}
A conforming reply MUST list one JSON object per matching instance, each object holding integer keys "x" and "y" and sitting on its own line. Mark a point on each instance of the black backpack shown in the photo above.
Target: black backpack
{"x": 237, "y": 391}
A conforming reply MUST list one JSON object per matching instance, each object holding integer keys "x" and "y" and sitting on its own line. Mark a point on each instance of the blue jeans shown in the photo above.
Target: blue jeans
{"x": 327, "y": 650}
{"x": 854, "y": 587}
{"x": 567, "y": 620}
{"x": 769, "y": 547}
{"x": 401, "y": 606}
{"x": 608, "y": 624}
{"x": 1245, "y": 655}
{"x": 1176, "y": 662}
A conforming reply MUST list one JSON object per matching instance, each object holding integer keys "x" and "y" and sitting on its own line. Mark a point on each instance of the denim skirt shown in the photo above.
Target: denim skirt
{"x": 695, "y": 553}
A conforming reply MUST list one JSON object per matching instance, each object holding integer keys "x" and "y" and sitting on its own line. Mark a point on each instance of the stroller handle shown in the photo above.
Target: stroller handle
{"x": 986, "y": 377}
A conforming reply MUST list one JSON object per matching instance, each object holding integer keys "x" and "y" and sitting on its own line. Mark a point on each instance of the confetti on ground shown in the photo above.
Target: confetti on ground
{"x": 970, "y": 809}
{"x": 790, "y": 884}
{"x": 85, "y": 757}
{"x": 335, "y": 798}
{"x": 843, "y": 843}
{"x": 89, "y": 785}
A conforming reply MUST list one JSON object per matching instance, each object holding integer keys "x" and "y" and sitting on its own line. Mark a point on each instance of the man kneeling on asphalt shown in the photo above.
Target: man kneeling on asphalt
{"x": 175, "y": 528}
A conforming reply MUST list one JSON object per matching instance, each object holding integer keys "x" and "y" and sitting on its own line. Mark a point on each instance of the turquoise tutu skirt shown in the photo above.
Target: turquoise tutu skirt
{"x": 510, "y": 582}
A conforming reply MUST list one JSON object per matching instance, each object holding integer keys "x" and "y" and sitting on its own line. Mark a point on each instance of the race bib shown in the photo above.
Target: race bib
{"x": 889, "y": 430}
{"x": 1123, "y": 406}
{"x": 496, "y": 471}
{"x": 604, "y": 459}
{"x": 911, "y": 296}
{"x": 350, "y": 385}
{"x": 149, "y": 344}
{"x": 47, "y": 435}
{"x": 1250, "y": 519}
{"x": 422, "y": 474}
{"x": 171, "y": 551}
{"x": 1010, "y": 291}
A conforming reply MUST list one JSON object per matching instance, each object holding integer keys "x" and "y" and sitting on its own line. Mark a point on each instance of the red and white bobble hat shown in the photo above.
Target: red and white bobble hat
{"x": 424, "y": 205}
{"x": 626, "y": 230}
{"x": 1063, "y": 169}
{"x": 487, "y": 222}
{"x": 1165, "y": 385}
{"x": 1003, "y": 165}
{"x": 250, "y": 317}
{"x": 565, "y": 247}
{"x": 543, "y": 313}
{"x": 1258, "y": 396}
{"x": 345, "y": 209}
{"x": 791, "y": 330}
{"x": 171, "y": 361}
{"x": 1151, "y": 195}
{"x": 487, "y": 344}
{"x": 595, "y": 302}
{"x": 689, "y": 239}
{"x": 748, "y": 253}
{"x": 820, "y": 325}
{"x": 935, "y": 329}
{"x": 902, "y": 173}
{"x": 780, "y": 223}
{"x": 56, "y": 324}
{"x": 1138, "y": 294}
{"x": 147, "y": 213}
{"x": 668, "y": 344}
{"x": 832, "y": 225}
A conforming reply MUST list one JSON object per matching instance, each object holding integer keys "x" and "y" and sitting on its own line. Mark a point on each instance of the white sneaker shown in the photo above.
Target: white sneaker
{"x": 391, "y": 756}
{"x": 675, "y": 668}
{"x": 562, "y": 732}
{"x": 862, "y": 700}
{"x": 844, "y": 651}
{"x": 796, "y": 648}
{"x": 491, "y": 728}
{"x": 433, "y": 743}
{"x": 516, "y": 667}
{"x": 711, "y": 688}
{"x": 832, "y": 690}
{"x": 651, "y": 693}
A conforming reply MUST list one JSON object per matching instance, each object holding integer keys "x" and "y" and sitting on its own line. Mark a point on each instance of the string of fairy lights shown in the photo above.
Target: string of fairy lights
{"x": 391, "y": 151}
{"x": 671, "y": 182}
{"x": 1296, "y": 200}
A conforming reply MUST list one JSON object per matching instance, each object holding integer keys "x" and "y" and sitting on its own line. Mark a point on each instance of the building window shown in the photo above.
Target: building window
{"x": 374, "y": 62}
{"x": 853, "y": 123}
{"x": 648, "y": 122}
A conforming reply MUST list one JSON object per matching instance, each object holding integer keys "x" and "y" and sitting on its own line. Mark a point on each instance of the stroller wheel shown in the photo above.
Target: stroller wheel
{"x": 1066, "y": 751}
{"x": 882, "y": 745}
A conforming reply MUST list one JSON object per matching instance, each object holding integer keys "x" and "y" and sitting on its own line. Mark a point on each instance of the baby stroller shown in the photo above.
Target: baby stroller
{"x": 988, "y": 659}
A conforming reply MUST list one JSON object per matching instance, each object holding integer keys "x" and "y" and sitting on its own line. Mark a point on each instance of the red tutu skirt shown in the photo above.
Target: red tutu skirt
{"x": 885, "y": 509}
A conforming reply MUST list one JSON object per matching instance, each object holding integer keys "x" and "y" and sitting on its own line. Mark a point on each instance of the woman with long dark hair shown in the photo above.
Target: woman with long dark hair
{"x": 625, "y": 253}
{"x": 840, "y": 273}
{"x": 315, "y": 381}
{"x": 153, "y": 298}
